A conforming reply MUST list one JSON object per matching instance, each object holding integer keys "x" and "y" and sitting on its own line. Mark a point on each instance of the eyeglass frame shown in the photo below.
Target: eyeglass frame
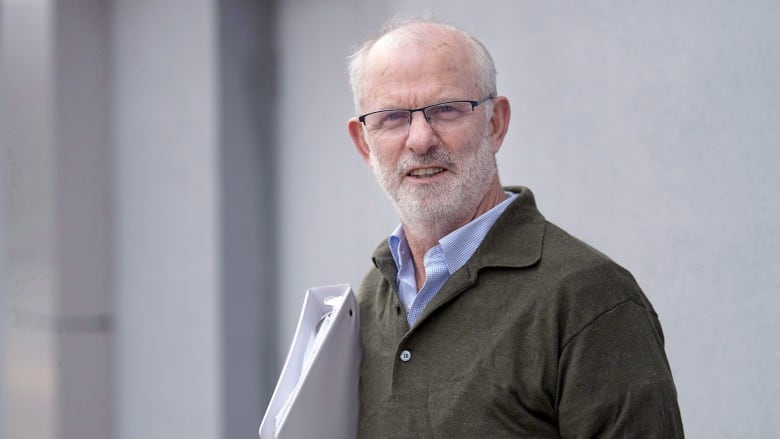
{"x": 411, "y": 111}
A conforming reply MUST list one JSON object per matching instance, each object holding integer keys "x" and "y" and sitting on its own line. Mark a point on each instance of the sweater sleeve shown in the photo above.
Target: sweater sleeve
{"x": 614, "y": 379}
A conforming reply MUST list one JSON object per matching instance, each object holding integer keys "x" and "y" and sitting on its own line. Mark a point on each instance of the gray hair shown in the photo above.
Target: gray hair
{"x": 410, "y": 27}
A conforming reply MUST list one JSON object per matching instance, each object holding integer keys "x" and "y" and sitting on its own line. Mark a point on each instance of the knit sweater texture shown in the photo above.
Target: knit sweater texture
{"x": 537, "y": 335}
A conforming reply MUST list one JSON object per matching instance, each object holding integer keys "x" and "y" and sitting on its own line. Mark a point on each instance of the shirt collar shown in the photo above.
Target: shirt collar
{"x": 458, "y": 246}
{"x": 398, "y": 246}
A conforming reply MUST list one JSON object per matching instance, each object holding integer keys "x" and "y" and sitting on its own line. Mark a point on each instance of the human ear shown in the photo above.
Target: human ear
{"x": 356, "y": 132}
{"x": 499, "y": 121}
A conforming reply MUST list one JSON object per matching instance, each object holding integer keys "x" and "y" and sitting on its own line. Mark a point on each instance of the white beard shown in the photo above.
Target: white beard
{"x": 442, "y": 205}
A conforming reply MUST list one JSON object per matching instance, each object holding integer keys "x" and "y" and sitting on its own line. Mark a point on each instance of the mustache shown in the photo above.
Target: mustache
{"x": 431, "y": 158}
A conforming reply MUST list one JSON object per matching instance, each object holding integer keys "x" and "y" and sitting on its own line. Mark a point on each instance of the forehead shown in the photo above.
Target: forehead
{"x": 418, "y": 68}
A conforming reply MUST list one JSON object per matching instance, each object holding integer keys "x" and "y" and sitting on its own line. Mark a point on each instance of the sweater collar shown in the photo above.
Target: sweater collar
{"x": 515, "y": 240}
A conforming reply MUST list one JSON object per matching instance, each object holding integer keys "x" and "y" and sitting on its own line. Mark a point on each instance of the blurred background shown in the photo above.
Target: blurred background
{"x": 175, "y": 174}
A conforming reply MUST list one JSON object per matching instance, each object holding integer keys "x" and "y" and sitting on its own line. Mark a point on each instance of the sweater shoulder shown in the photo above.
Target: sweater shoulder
{"x": 588, "y": 283}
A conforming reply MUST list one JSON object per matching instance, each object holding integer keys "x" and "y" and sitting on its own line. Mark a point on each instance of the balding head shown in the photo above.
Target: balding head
{"x": 398, "y": 34}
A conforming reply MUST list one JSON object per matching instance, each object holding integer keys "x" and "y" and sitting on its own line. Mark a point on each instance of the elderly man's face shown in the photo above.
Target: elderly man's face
{"x": 431, "y": 172}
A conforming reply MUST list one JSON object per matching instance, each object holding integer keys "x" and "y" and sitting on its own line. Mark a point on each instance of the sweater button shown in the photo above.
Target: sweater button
{"x": 406, "y": 356}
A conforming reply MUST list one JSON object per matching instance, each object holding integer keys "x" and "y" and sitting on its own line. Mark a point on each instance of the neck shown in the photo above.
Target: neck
{"x": 424, "y": 235}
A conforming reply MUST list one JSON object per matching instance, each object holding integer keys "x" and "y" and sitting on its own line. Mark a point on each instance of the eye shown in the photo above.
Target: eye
{"x": 441, "y": 109}
{"x": 394, "y": 118}
{"x": 448, "y": 110}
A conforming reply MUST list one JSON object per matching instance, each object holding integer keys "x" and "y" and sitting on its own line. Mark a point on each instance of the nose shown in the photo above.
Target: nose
{"x": 421, "y": 136}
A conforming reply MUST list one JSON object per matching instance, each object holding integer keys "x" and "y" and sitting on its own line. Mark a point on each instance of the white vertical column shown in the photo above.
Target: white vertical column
{"x": 55, "y": 249}
{"x": 167, "y": 228}
{"x": 29, "y": 272}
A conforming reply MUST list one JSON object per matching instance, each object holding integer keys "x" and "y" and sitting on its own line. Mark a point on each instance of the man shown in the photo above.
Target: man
{"x": 481, "y": 319}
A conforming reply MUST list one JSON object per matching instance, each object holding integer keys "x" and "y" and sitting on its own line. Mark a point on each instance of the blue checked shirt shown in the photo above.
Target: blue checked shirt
{"x": 440, "y": 261}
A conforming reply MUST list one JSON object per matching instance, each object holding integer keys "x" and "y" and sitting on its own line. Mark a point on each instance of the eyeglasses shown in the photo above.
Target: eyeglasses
{"x": 438, "y": 115}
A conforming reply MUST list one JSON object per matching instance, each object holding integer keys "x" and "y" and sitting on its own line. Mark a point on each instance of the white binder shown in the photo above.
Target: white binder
{"x": 317, "y": 393}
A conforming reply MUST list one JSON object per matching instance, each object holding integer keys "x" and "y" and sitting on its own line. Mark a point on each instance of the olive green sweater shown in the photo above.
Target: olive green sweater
{"x": 538, "y": 335}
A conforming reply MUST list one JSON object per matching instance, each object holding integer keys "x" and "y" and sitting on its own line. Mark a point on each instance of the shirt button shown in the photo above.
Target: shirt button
{"x": 406, "y": 356}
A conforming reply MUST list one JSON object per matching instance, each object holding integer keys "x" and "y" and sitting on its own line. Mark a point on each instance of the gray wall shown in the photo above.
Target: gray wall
{"x": 136, "y": 279}
{"x": 175, "y": 173}
{"x": 248, "y": 181}
{"x": 166, "y": 131}
{"x": 194, "y": 270}
{"x": 649, "y": 129}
